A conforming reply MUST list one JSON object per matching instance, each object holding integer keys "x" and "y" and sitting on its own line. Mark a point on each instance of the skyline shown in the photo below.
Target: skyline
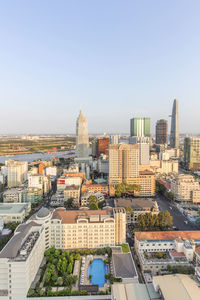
{"x": 111, "y": 60}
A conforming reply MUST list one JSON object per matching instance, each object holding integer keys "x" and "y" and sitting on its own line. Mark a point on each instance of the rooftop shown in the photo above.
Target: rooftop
{"x": 124, "y": 266}
{"x": 135, "y": 203}
{"x": 71, "y": 216}
{"x": 167, "y": 235}
{"x": 12, "y": 208}
{"x": 12, "y": 248}
{"x": 177, "y": 286}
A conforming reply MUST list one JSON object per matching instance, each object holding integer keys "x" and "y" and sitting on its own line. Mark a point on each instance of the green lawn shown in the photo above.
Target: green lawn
{"x": 125, "y": 248}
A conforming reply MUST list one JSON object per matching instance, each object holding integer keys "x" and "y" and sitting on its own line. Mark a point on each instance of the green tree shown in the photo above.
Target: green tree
{"x": 69, "y": 203}
{"x": 69, "y": 269}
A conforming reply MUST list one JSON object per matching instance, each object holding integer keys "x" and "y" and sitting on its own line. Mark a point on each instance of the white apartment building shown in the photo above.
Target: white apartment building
{"x": 180, "y": 246}
{"x": 2, "y": 178}
{"x": 14, "y": 212}
{"x": 73, "y": 191}
{"x": 15, "y": 195}
{"x": 21, "y": 258}
{"x": 186, "y": 189}
{"x": 40, "y": 182}
{"x": 144, "y": 150}
{"x": 17, "y": 172}
{"x": 64, "y": 181}
{"x": 51, "y": 171}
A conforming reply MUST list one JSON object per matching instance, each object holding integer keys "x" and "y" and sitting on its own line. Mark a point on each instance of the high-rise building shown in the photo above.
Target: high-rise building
{"x": 162, "y": 132}
{"x": 82, "y": 141}
{"x": 140, "y": 127}
{"x": 174, "y": 137}
{"x": 192, "y": 152}
{"x": 102, "y": 146}
{"x": 143, "y": 144}
{"x": 114, "y": 139}
{"x": 123, "y": 163}
{"x": 17, "y": 172}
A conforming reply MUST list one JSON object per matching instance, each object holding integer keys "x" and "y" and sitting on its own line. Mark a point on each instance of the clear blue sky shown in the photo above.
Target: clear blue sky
{"x": 113, "y": 59}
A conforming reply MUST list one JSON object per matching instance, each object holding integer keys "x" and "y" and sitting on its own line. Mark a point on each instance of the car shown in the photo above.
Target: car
{"x": 170, "y": 207}
{"x": 185, "y": 222}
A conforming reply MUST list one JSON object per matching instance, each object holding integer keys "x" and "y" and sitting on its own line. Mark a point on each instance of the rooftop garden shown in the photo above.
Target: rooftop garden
{"x": 125, "y": 248}
{"x": 56, "y": 275}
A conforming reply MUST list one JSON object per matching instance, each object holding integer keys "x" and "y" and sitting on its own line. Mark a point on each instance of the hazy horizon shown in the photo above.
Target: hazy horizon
{"x": 113, "y": 59}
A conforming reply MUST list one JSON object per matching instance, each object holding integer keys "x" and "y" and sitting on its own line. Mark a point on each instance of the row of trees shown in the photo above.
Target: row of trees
{"x": 126, "y": 189}
{"x": 59, "y": 267}
{"x": 152, "y": 222}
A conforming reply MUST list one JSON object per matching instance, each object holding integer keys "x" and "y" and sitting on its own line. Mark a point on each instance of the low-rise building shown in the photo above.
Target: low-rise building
{"x": 178, "y": 248}
{"x": 186, "y": 189}
{"x": 64, "y": 181}
{"x": 72, "y": 191}
{"x": 14, "y": 212}
{"x": 15, "y": 195}
{"x": 84, "y": 197}
{"x": 139, "y": 206}
{"x": 176, "y": 286}
{"x": 102, "y": 188}
{"x": 51, "y": 171}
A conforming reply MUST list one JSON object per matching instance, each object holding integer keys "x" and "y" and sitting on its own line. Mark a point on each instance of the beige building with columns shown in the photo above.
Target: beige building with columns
{"x": 88, "y": 229}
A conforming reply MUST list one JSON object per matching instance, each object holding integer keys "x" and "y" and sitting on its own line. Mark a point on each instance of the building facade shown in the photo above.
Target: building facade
{"x": 174, "y": 136}
{"x": 140, "y": 127}
{"x": 17, "y": 172}
{"x": 82, "y": 140}
{"x": 162, "y": 132}
{"x": 192, "y": 152}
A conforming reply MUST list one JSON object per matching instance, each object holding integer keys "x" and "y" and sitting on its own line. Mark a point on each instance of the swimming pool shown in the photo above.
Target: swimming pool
{"x": 97, "y": 270}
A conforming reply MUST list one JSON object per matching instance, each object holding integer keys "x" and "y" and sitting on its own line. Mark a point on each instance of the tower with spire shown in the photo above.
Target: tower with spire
{"x": 82, "y": 140}
{"x": 174, "y": 136}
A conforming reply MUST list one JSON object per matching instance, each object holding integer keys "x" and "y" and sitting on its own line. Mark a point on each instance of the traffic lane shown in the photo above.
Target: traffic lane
{"x": 178, "y": 218}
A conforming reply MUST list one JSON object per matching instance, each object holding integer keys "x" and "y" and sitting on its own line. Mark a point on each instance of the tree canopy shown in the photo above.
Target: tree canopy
{"x": 126, "y": 189}
{"x": 149, "y": 221}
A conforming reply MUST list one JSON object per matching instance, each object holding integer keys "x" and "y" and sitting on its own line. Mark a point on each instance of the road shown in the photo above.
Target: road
{"x": 178, "y": 218}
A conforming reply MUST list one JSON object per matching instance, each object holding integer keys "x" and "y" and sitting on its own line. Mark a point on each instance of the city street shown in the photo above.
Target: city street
{"x": 178, "y": 218}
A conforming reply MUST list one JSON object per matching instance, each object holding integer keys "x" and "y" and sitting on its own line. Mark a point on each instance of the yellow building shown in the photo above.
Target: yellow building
{"x": 88, "y": 228}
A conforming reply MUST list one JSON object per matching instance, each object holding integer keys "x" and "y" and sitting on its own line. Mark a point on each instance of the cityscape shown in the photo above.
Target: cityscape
{"x": 99, "y": 150}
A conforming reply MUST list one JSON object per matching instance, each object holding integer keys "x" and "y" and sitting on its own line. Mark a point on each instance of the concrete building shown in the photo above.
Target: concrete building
{"x": 103, "y": 166}
{"x": 41, "y": 182}
{"x": 124, "y": 166}
{"x": 192, "y": 152}
{"x": 185, "y": 189}
{"x": 174, "y": 136}
{"x": 164, "y": 166}
{"x": 88, "y": 229}
{"x": 82, "y": 140}
{"x": 114, "y": 139}
{"x": 15, "y": 195}
{"x": 17, "y": 172}
{"x": 51, "y": 171}
{"x": 22, "y": 256}
{"x": 72, "y": 191}
{"x": 140, "y": 127}
{"x": 178, "y": 246}
{"x": 101, "y": 188}
{"x": 85, "y": 197}
{"x": 123, "y": 163}
{"x": 177, "y": 286}
{"x": 64, "y": 181}
{"x": 144, "y": 151}
{"x": 20, "y": 259}
{"x": 162, "y": 132}
{"x": 139, "y": 206}
{"x": 102, "y": 146}
{"x": 14, "y": 212}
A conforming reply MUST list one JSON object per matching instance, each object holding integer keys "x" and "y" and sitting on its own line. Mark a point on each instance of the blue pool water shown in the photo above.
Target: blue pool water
{"x": 97, "y": 270}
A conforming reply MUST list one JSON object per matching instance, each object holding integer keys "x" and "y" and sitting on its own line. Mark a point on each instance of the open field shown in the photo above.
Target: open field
{"x": 23, "y": 146}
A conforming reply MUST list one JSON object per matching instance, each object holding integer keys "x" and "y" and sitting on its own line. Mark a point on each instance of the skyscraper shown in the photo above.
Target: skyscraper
{"x": 162, "y": 132}
{"x": 140, "y": 127}
{"x": 17, "y": 172}
{"x": 174, "y": 137}
{"x": 82, "y": 141}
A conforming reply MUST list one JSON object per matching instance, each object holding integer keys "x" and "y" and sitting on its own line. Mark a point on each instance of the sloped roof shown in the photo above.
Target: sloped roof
{"x": 167, "y": 235}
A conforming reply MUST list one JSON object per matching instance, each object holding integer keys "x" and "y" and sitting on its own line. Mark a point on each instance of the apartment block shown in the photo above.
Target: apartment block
{"x": 72, "y": 191}
{"x": 17, "y": 172}
{"x": 186, "y": 189}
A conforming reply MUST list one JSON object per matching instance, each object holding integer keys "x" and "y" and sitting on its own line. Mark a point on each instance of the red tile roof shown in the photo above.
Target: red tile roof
{"x": 167, "y": 235}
